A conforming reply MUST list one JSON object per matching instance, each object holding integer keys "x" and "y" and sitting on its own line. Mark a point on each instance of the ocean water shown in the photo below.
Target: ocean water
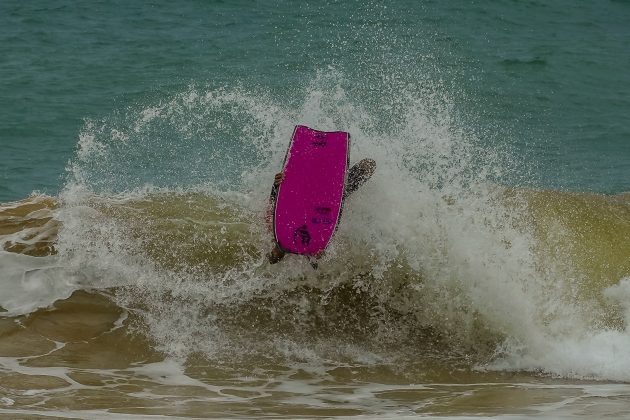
{"x": 484, "y": 271}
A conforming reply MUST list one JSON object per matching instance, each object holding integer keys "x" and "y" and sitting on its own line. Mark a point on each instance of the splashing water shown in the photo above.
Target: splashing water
{"x": 165, "y": 203}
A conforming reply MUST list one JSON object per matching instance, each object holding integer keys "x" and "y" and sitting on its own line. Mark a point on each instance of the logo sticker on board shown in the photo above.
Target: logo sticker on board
{"x": 321, "y": 220}
{"x": 302, "y": 234}
{"x": 325, "y": 211}
{"x": 321, "y": 140}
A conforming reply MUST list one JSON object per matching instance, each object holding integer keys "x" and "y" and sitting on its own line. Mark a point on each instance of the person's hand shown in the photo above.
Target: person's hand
{"x": 278, "y": 179}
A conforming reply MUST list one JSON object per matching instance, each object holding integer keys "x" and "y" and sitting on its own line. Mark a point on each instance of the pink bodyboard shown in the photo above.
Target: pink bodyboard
{"x": 310, "y": 198}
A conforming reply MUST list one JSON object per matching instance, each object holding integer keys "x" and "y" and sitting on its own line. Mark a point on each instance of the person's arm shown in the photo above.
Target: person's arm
{"x": 277, "y": 179}
{"x": 358, "y": 175}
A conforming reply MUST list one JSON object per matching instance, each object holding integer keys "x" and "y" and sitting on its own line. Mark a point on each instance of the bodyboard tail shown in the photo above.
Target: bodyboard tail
{"x": 309, "y": 200}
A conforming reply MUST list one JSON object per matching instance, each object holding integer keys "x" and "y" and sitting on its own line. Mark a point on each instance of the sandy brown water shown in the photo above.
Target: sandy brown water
{"x": 81, "y": 358}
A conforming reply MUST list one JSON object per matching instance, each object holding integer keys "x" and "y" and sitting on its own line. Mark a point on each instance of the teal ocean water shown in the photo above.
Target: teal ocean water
{"x": 549, "y": 80}
{"x": 483, "y": 271}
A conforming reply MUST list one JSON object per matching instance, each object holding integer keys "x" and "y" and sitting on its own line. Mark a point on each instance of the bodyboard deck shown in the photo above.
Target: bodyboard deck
{"x": 310, "y": 198}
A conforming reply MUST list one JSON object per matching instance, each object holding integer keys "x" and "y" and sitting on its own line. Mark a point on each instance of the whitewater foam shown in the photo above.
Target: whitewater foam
{"x": 431, "y": 246}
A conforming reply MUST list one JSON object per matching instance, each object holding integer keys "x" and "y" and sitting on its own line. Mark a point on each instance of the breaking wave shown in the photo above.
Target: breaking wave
{"x": 434, "y": 258}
